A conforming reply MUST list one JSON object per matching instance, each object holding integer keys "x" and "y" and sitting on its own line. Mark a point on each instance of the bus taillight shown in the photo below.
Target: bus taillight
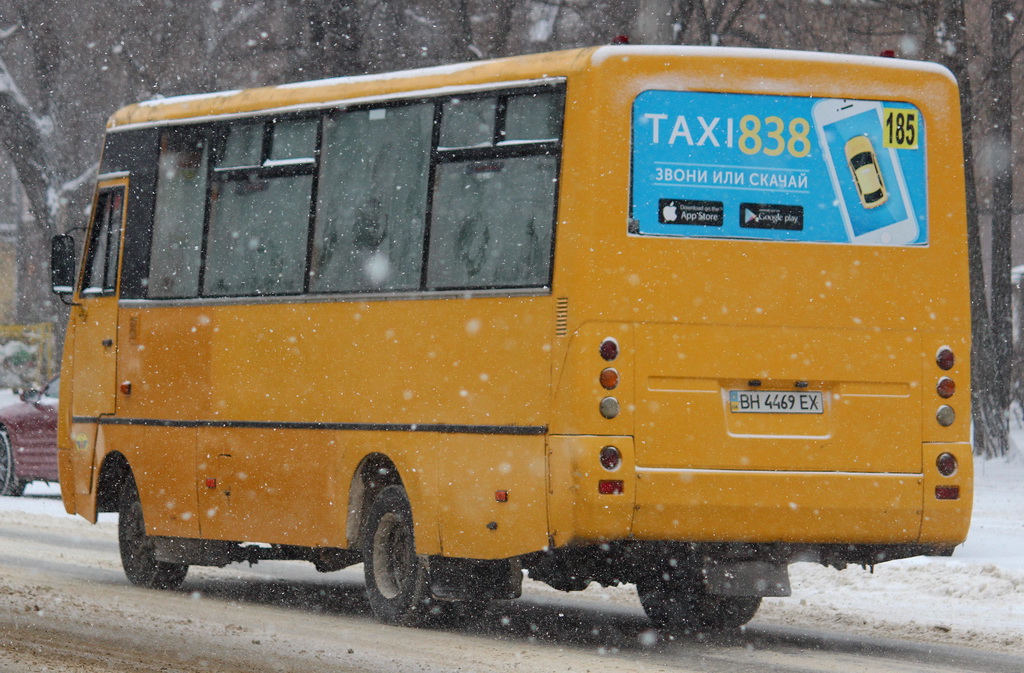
{"x": 609, "y": 349}
{"x": 946, "y": 464}
{"x": 945, "y": 387}
{"x": 610, "y": 458}
{"x": 945, "y": 358}
{"x": 947, "y": 492}
{"x": 609, "y": 378}
{"x": 611, "y": 487}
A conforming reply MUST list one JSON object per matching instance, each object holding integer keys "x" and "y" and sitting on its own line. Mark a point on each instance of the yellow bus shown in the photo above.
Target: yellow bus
{"x": 675, "y": 317}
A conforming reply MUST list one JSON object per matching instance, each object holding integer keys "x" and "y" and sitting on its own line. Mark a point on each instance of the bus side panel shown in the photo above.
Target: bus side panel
{"x": 269, "y": 485}
{"x": 577, "y": 509}
{"x": 389, "y": 369}
{"x": 945, "y": 521}
{"x": 475, "y": 362}
{"x": 162, "y": 461}
{"x": 162, "y": 373}
{"x": 492, "y": 500}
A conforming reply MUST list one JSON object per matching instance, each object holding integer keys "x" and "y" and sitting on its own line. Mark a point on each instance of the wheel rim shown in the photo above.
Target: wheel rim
{"x": 6, "y": 463}
{"x": 391, "y": 558}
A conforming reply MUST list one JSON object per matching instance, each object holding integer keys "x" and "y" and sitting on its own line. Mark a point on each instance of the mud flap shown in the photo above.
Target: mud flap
{"x": 471, "y": 579}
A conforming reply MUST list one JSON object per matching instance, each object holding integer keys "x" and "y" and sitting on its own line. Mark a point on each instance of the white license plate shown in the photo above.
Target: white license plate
{"x": 775, "y": 401}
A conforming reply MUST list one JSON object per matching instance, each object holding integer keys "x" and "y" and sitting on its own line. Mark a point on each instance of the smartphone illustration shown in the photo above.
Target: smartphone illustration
{"x": 867, "y": 178}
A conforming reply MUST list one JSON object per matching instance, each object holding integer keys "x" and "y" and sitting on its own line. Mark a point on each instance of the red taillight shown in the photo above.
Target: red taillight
{"x": 610, "y": 458}
{"x": 211, "y": 482}
{"x": 611, "y": 487}
{"x": 945, "y": 358}
{"x": 609, "y": 349}
{"x": 945, "y": 387}
{"x": 947, "y": 492}
{"x": 946, "y": 464}
{"x": 609, "y": 378}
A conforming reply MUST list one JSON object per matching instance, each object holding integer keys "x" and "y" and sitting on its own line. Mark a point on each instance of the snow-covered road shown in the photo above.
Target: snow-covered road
{"x": 65, "y": 606}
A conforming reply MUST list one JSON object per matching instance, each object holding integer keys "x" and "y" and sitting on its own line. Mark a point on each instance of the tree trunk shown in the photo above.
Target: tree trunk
{"x": 1000, "y": 155}
{"x": 653, "y": 22}
{"x": 991, "y": 434}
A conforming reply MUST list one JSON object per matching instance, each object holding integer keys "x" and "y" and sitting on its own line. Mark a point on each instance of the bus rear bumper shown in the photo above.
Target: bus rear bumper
{"x": 817, "y": 508}
{"x": 790, "y": 507}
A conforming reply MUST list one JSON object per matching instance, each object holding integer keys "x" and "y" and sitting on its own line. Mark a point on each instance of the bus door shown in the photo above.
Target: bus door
{"x": 94, "y": 325}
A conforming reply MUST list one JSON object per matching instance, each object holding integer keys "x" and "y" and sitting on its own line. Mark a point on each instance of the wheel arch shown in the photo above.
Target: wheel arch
{"x": 374, "y": 472}
{"x": 113, "y": 472}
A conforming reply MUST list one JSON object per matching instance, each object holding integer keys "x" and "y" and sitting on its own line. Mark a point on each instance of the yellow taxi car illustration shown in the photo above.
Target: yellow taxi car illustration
{"x": 860, "y": 155}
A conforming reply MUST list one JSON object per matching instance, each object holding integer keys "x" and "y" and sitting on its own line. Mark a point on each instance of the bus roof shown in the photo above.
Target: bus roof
{"x": 453, "y": 77}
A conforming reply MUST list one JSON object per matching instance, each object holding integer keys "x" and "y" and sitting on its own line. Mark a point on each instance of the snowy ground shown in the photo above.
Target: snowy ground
{"x": 974, "y": 599}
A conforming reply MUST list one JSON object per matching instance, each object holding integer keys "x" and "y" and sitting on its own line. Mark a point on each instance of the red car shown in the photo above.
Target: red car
{"x": 28, "y": 439}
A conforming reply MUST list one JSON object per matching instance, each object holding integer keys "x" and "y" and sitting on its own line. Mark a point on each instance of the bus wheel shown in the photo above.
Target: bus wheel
{"x": 9, "y": 482}
{"x": 138, "y": 551}
{"x": 683, "y": 603}
{"x": 396, "y": 578}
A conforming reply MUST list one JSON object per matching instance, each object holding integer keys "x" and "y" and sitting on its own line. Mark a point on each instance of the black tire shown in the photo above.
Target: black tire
{"x": 396, "y": 578}
{"x": 138, "y": 552}
{"x": 10, "y": 485}
{"x": 682, "y": 602}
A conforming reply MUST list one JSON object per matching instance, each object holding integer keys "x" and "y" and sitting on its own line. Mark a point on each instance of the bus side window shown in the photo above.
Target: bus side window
{"x": 493, "y": 208}
{"x": 259, "y": 210}
{"x": 293, "y": 141}
{"x": 371, "y": 208}
{"x": 258, "y": 232}
{"x": 468, "y": 122}
{"x": 533, "y": 117}
{"x": 243, "y": 146}
{"x": 492, "y": 223}
{"x": 178, "y": 216}
{"x": 104, "y": 243}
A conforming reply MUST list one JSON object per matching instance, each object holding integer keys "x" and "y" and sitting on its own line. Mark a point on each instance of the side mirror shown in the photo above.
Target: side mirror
{"x": 62, "y": 264}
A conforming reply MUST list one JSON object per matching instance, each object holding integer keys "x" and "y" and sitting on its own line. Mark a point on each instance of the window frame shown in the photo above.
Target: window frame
{"x": 499, "y": 150}
{"x": 99, "y": 220}
{"x": 215, "y": 134}
{"x": 267, "y": 169}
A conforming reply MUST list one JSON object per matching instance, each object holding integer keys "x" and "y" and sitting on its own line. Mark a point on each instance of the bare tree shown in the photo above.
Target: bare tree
{"x": 31, "y": 138}
{"x": 1000, "y": 138}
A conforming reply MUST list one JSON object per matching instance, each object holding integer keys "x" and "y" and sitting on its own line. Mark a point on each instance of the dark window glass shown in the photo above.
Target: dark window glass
{"x": 178, "y": 216}
{"x": 243, "y": 146}
{"x": 372, "y": 200}
{"x": 104, "y": 242}
{"x": 293, "y": 141}
{"x": 468, "y": 122}
{"x": 536, "y": 116}
{"x": 492, "y": 223}
{"x": 257, "y": 237}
